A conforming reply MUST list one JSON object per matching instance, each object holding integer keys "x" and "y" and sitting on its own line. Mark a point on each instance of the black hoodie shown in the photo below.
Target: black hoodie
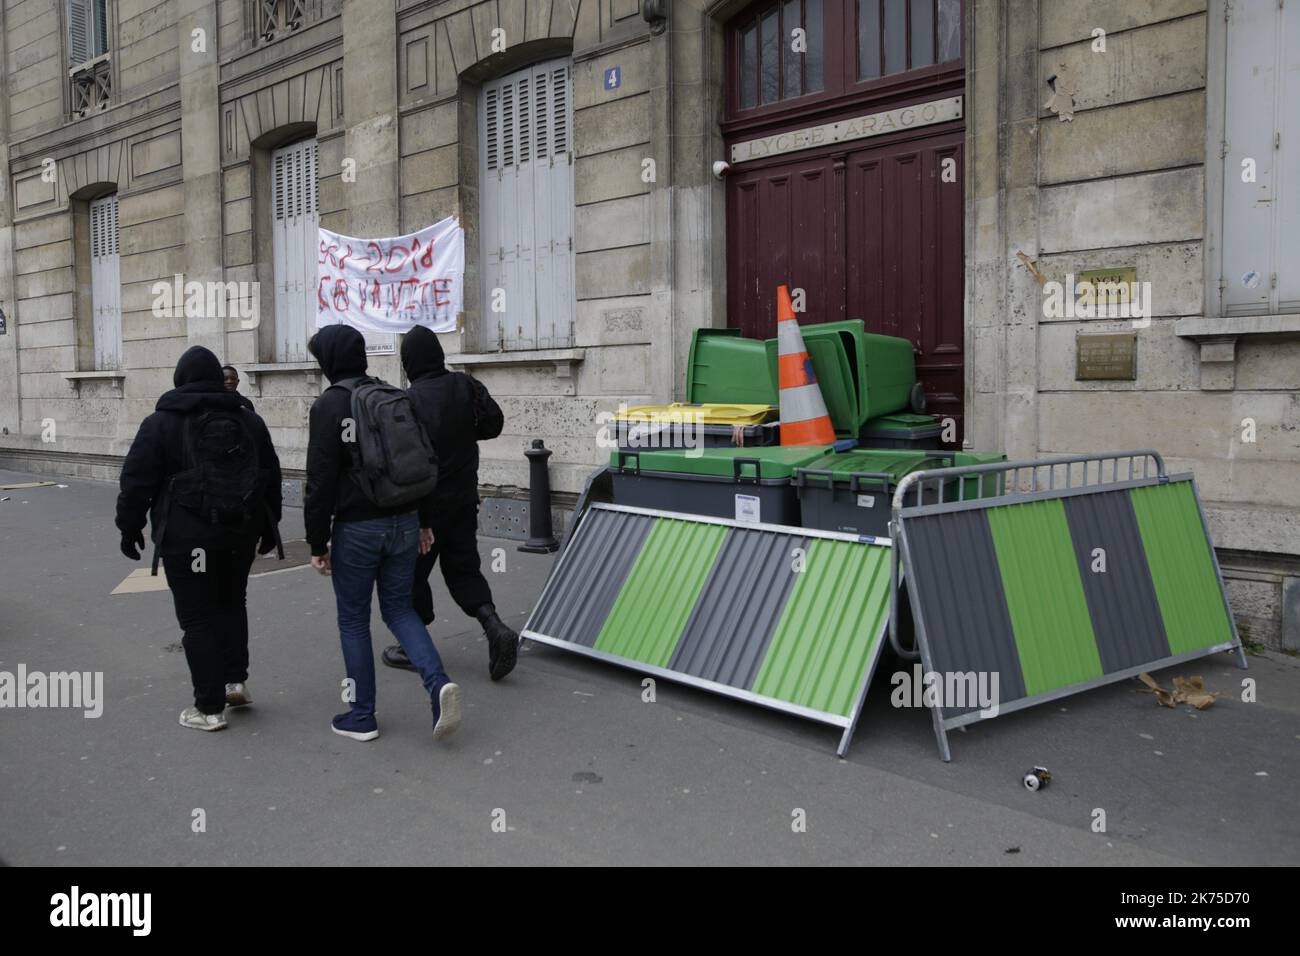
{"x": 331, "y": 494}
{"x": 156, "y": 455}
{"x": 455, "y": 410}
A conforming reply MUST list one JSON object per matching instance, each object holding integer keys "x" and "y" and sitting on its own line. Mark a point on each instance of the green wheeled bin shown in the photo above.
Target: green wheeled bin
{"x": 853, "y": 491}
{"x": 744, "y": 484}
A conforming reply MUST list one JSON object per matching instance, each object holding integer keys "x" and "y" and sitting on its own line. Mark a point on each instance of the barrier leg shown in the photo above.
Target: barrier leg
{"x": 940, "y": 735}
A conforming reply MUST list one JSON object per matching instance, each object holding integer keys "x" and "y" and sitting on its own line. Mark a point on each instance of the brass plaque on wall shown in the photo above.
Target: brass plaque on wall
{"x": 1106, "y": 356}
{"x": 1105, "y": 288}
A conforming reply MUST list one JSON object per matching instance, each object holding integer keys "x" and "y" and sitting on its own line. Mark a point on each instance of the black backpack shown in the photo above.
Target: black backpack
{"x": 222, "y": 482}
{"x": 488, "y": 420}
{"x": 393, "y": 461}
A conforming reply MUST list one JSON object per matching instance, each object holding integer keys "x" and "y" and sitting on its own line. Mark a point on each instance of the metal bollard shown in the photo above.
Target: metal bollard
{"x": 541, "y": 538}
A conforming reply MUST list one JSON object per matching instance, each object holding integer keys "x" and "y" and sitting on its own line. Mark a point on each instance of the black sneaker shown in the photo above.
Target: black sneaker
{"x": 503, "y": 644}
{"x": 358, "y": 728}
{"x": 396, "y": 657}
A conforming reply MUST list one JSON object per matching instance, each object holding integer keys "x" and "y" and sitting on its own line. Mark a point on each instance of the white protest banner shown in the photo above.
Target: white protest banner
{"x": 390, "y": 285}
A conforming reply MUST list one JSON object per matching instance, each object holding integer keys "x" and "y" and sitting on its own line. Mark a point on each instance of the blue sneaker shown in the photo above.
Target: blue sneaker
{"x": 446, "y": 710}
{"x": 358, "y": 728}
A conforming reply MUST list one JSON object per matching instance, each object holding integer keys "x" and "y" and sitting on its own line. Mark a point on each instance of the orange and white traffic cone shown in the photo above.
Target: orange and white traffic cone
{"x": 804, "y": 420}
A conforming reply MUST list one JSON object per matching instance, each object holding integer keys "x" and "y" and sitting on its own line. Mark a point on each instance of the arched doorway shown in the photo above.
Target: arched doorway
{"x": 844, "y": 129}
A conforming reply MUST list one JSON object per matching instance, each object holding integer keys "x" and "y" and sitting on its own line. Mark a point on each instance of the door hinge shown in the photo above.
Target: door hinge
{"x": 1277, "y": 140}
{"x": 1224, "y": 149}
{"x": 1272, "y": 282}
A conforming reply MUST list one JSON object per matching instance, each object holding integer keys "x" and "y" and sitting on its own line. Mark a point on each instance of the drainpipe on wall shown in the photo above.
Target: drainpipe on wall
{"x": 9, "y": 300}
{"x": 669, "y": 100}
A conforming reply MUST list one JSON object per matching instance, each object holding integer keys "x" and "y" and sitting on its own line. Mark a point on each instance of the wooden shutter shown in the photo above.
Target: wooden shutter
{"x": 105, "y": 284}
{"x": 294, "y": 224}
{"x": 1288, "y": 161}
{"x": 79, "y": 29}
{"x": 1261, "y": 219}
{"x": 553, "y": 216}
{"x": 526, "y": 208}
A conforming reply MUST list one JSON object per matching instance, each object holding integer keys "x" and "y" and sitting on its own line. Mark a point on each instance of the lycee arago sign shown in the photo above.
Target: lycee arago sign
{"x": 860, "y": 127}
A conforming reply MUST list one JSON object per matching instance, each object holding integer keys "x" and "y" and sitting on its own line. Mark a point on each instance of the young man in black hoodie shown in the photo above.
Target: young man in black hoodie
{"x": 361, "y": 545}
{"x": 456, "y": 411}
{"x": 169, "y": 478}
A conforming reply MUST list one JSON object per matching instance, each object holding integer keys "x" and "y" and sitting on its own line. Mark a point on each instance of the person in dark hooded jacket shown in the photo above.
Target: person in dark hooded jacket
{"x": 456, "y": 411}
{"x": 364, "y": 547}
{"x": 207, "y": 564}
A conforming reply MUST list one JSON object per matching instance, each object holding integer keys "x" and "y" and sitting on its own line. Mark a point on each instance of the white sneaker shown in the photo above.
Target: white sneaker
{"x": 237, "y": 695}
{"x": 195, "y": 719}
{"x": 446, "y": 711}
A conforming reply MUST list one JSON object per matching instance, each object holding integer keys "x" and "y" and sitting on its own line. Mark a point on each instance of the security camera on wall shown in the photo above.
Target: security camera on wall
{"x": 721, "y": 168}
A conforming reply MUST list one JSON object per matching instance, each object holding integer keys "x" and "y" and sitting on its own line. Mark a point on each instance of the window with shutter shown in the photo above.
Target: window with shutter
{"x": 90, "y": 75}
{"x": 526, "y": 208}
{"x": 87, "y": 30}
{"x": 105, "y": 284}
{"x": 295, "y": 220}
{"x": 1261, "y": 176}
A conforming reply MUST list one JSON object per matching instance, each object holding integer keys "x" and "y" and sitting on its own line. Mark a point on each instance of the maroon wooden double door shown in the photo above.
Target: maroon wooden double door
{"x": 873, "y": 233}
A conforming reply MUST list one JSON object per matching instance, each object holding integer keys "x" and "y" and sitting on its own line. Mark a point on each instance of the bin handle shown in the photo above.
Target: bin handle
{"x": 738, "y": 463}
{"x": 635, "y": 456}
{"x": 880, "y": 477}
{"x": 803, "y": 476}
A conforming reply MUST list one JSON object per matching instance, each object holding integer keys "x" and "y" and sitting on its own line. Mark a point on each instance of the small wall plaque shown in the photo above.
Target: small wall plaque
{"x": 1106, "y": 356}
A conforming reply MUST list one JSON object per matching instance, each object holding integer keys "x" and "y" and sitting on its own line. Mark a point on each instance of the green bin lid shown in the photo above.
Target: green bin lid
{"x": 773, "y": 461}
{"x": 883, "y": 367}
{"x": 861, "y": 375}
{"x": 901, "y": 421}
{"x": 724, "y": 368}
{"x": 835, "y": 378}
{"x": 964, "y": 458}
{"x": 896, "y": 464}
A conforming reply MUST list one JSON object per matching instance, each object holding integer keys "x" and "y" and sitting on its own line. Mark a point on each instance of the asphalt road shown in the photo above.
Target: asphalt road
{"x": 564, "y": 757}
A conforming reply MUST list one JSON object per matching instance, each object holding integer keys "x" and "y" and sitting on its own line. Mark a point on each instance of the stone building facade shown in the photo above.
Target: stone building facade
{"x": 180, "y": 118}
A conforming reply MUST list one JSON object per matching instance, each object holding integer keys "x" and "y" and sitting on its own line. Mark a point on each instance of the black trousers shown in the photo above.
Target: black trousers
{"x": 211, "y": 611}
{"x": 455, "y": 541}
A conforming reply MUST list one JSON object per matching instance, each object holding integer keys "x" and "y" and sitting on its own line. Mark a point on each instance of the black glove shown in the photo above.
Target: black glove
{"x": 132, "y": 548}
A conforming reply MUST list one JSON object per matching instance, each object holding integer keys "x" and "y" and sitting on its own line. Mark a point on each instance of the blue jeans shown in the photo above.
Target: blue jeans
{"x": 382, "y": 551}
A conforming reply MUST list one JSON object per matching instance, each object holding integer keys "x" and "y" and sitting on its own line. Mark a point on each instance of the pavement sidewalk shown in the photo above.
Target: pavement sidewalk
{"x": 563, "y": 762}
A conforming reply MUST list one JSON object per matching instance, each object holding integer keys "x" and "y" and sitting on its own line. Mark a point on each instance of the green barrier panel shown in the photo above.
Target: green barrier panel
{"x": 1044, "y": 595}
{"x": 818, "y": 653}
{"x": 788, "y": 618}
{"x": 1059, "y": 589}
{"x": 657, "y": 597}
{"x": 1182, "y": 566}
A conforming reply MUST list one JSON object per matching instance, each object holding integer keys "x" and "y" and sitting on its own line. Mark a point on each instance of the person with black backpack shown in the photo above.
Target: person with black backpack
{"x": 203, "y": 472}
{"x": 457, "y": 412}
{"x": 371, "y": 472}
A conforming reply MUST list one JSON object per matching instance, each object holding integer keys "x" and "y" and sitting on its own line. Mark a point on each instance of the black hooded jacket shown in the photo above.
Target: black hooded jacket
{"x": 157, "y": 454}
{"x": 332, "y": 494}
{"x": 456, "y": 411}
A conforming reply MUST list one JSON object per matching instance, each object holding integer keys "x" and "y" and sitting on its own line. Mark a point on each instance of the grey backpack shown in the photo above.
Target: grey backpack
{"x": 393, "y": 460}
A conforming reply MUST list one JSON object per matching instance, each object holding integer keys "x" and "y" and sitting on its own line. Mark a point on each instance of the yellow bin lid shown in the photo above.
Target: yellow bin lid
{"x": 707, "y": 414}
